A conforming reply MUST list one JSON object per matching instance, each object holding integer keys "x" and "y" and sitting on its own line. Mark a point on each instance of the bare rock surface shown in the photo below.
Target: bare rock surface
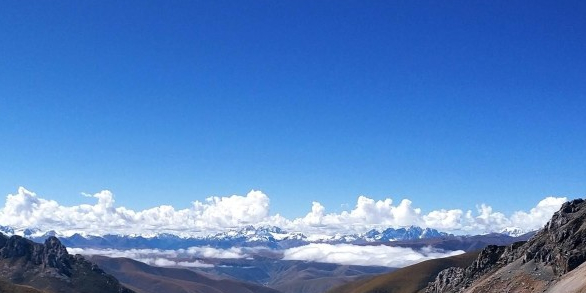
{"x": 544, "y": 263}
{"x": 48, "y": 267}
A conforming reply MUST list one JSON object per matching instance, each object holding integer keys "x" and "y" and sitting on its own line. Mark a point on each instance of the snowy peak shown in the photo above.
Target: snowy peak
{"x": 409, "y": 233}
{"x": 247, "y": 236}
{"x": 261, "y": 234}
{"x": 7, "y": 230}
{"x": 276, "y": 234}
{"x": 513, "y": 231}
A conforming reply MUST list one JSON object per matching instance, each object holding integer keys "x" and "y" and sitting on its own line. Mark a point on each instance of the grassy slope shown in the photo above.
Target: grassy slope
{"x": 409, "y": 279}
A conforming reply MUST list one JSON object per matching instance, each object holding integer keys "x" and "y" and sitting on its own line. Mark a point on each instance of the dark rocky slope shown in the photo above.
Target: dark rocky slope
{"x": 49, "y": 268}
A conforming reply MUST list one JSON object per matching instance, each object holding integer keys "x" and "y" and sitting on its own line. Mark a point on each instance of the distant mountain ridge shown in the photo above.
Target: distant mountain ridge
{"x": 248, "y": 236}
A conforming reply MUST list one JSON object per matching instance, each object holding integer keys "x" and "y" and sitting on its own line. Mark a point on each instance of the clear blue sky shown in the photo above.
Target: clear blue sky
{"x": 447, "y": 103}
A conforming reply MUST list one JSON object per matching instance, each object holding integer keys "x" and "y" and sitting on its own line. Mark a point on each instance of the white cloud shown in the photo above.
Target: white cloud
{"x": 232, "y": 211}
{"x": 192, "y": 252}
{"x": 367, "y": 214}
{"x": 194, "y": 264}
{"x": 164, "y": 262}
{"x": 535, "y": 217}
{"x": 210, "y": 252}
{"x": 444, "y": 219}
{"x": 168, "y": 258}
{"x": 348, "y": 254}
{"x": 345, "y": 254}
{"x": 25, "y": 209}
{"x": 128, "y": 253}
{"x": 160, "y": 262}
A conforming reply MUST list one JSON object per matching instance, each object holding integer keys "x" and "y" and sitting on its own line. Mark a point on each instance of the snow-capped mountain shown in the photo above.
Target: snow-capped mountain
{"x": 409, "y": 233}
{"x": 263, "y": 235}
{"x": 513, "y": 231}
{"x": 7, "y": 230}
{"x": 258, "y": 234}
{"x": 248, "y": 236}
{"x": 25, "y": 232}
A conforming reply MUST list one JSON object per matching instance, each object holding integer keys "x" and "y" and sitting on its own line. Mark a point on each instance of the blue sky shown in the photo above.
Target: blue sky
{"x": 450, "y": 104}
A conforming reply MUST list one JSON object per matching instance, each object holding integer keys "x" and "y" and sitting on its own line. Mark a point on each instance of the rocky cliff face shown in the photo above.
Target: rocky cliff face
{"x": 457, "y": 279}
{"x": 529, "y": 266}
{"x": 562, "y": 242}
{"x": 50, "y": 255}
{"x": 49, "y": 267}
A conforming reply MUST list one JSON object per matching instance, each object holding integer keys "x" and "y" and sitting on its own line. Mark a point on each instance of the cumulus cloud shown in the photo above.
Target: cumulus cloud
{"x": 26, "y": 209}
{"x": 348, "y": 254}
{"x": 535, "y": 217}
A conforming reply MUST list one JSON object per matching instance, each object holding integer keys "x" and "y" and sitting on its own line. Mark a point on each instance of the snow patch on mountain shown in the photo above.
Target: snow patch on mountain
{"x": 513, "y": 231}
{"x": 271, "y": 237}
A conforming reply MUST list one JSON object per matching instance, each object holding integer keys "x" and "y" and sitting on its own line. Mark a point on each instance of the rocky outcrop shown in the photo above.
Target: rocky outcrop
{"x": 559, "y": 247}
{"x": 50, "y": 266}
{"x": 562, "y": 242}
{"x": 455, "y": 279}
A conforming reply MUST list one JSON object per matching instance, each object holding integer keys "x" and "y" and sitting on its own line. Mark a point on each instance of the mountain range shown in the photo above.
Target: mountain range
{"x": 550, "y": 260}
{"x": 249, "y": 236}
{"x": 265, "y": 272}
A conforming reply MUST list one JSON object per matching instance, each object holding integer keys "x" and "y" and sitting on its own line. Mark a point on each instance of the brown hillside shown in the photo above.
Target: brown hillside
{"x": 409, "y": 279}
{"x": 143, "y": 278}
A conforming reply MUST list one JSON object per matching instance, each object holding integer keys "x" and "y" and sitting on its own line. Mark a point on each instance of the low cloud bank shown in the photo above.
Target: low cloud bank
{"x": 163, "y": 262}
{"x": 344, "y": 254}
{"x": 25, "y": 209}
{"x": 194, "y": 252}
{"x": 169, "y": 258}
{"x": 348, "y": 254}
